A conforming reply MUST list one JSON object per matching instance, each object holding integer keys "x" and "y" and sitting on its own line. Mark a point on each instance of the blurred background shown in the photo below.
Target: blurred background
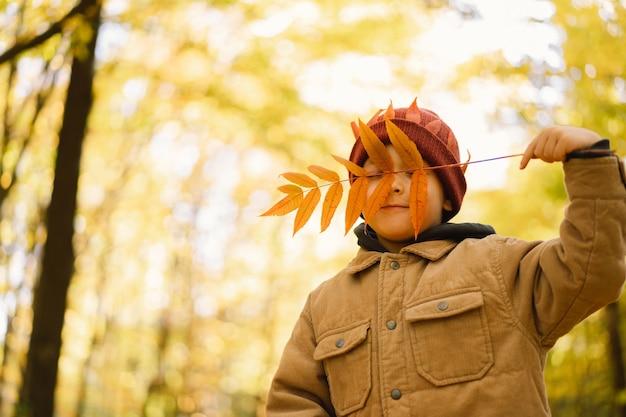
{"x": 140, "y": 141}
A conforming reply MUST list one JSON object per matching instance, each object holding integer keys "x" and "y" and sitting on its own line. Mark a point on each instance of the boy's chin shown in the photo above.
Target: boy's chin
{"x": 399, "y": 240}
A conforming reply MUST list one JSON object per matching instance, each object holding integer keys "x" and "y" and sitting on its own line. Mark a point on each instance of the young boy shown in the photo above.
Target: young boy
{"x": 457, "y": 322}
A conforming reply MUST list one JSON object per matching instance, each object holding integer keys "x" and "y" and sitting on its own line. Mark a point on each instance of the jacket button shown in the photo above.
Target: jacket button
{"x": 396, "y": 394}
{"x": 391, "y": 324}
{"x": 340, "y": 343}
{"x": 442, "y": 306}
{"x": 394, "y": 265}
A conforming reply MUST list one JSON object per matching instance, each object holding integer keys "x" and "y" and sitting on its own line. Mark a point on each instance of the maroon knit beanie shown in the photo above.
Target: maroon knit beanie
{"x": 434, "y": 140}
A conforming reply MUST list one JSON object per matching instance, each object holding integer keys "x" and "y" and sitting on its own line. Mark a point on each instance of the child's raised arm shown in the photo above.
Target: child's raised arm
{"x": 553, "y": 143}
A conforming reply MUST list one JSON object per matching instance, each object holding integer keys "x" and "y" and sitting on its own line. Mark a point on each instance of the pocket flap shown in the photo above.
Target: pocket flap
{"x": 446, "y": 304}
{"x": 341, "y": 340}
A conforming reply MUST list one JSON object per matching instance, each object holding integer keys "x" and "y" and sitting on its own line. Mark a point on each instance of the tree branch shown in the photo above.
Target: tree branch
{"x": 53, "y": 29}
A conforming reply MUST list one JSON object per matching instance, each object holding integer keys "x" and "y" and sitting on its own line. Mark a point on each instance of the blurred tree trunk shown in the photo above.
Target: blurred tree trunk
{"x": 50, "y": 298}
{"x": 616, "y": 357}
{"x": 10, "y": 57}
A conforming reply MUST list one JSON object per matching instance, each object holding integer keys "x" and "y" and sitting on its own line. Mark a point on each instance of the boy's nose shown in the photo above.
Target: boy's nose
{"x": 397, "y": 186}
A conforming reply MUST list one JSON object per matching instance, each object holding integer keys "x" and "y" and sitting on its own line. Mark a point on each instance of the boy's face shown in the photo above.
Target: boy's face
{"x": 392, "y": 222}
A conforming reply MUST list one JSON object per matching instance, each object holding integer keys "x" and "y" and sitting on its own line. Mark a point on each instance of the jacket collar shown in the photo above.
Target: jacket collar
{"x": 431, "y": 244}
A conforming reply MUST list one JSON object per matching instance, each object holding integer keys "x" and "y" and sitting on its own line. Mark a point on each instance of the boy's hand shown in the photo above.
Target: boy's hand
{"x": 555, "y": 142}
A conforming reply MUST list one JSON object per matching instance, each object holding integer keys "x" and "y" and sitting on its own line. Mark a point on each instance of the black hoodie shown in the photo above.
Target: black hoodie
{"x": 367, "y": 238}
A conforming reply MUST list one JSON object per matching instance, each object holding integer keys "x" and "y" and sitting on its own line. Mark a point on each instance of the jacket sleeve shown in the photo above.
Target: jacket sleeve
{"x": 299, "y": 387}
{"x": 562, "y": 281}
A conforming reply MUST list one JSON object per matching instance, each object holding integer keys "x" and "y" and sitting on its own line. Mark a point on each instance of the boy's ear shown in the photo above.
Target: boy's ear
{"x": 447, "y": 205}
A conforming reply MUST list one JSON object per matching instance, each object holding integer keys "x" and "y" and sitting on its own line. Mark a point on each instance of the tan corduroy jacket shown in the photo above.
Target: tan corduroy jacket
{"x": 456, "y": 329}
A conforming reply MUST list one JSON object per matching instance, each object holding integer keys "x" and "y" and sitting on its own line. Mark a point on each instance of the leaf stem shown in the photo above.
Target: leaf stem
{"x": 474, "y": 162}
{"x": 459, "y": 164}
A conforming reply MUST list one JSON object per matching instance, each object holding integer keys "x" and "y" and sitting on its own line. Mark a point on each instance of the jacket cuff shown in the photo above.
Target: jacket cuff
{"x": 597, "y": 150}
{"x": 595, "y": 177}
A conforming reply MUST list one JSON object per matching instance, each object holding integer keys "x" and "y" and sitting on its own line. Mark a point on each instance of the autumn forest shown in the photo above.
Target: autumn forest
{"x": 141, "y": 142}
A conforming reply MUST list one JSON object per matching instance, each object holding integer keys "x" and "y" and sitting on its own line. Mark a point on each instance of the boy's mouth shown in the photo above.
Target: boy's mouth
{"x": 394, "y": 206}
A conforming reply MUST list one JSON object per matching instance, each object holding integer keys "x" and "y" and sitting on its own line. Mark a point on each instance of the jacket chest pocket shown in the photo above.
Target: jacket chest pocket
{"x": 346, "y": 353}
{"x": 450, "y": 337}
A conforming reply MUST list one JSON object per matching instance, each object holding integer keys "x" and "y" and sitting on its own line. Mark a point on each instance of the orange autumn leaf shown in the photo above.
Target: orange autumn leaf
{"x": 418, "y": 198}
{"x": 331, "y": 202}
{"x": 375, "y": 148}
{"x": 290, "y": 189}
{"x": 286, "y": 205}
{"x": 306, "y": 209}
{"x": 378, "y": 196}
{"x": 406, "y": 148}
{"x": 300, "y": 179}
{"x": 324, "y": 173}
{"x": 353, "y": 168}
{"x": 356, "y": 201}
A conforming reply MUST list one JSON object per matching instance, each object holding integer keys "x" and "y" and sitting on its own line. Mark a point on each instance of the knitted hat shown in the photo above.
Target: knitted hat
{"x": 434, "y": 140}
